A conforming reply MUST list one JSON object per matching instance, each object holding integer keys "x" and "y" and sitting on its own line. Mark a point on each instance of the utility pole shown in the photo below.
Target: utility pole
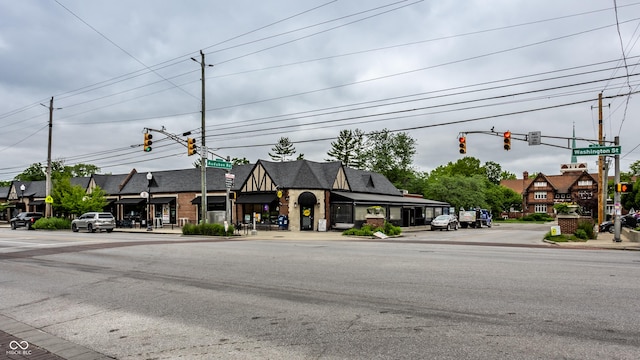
{"x": 601, "y": 160}
{"x": 203, "y": 153}
{"x": 616, "y": 197}
{"x": 47, "y": 208}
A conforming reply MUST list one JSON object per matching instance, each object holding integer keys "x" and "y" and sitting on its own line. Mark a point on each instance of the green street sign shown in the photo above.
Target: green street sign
{"x": 597, "y": 150}
{"x": 220, "y": 164}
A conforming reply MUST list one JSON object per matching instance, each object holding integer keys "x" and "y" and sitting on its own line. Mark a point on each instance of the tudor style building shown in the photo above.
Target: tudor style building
{"x": 541, "y": 192}
{"x": 311, "y": 195}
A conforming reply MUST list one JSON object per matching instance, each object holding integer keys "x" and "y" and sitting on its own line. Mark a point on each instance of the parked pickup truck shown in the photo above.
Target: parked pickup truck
{"x": 475, "y": 218}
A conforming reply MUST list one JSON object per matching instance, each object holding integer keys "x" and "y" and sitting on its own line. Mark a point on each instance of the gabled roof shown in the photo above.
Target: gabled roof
{"x": 305, "y": 174}
{"x": 516, "y": 185}
{"x": 36, "y": 189}
{"x": 302, "y": 174}
{"x": 560, "y": 183}
{"x": 369, "y": 182}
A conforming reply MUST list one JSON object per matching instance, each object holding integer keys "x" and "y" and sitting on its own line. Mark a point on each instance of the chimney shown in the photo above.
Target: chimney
{"x": 525, "y": 175}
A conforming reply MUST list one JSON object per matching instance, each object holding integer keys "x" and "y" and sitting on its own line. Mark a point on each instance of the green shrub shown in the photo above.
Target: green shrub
{"x": 367, "y": 230}
{"x": 537, "y": 217}
{"x": 207, "y": 230}
{"x": 586, "y": 230}
{"x": 52, "y": 224}
{"x": 581, "y": 234}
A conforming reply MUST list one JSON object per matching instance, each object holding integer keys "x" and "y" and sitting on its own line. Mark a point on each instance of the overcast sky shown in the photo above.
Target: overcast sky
{"x": 308, "y": 69}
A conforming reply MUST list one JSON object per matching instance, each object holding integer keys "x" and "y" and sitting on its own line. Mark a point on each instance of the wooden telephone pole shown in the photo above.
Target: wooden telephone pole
{"x": 601, "y": 164}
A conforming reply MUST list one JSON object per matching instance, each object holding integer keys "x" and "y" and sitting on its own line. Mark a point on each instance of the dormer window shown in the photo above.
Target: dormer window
{"x": 540, "y": 184}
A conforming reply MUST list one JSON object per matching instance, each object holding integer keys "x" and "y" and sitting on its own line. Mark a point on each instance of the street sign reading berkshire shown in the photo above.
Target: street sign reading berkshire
{"x": 597, "y": 150}
{"x": 220, "y": 164}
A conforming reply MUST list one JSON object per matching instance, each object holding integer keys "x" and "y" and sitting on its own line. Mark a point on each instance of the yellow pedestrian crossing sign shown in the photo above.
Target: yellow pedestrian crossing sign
{"x": 48, "y": 200}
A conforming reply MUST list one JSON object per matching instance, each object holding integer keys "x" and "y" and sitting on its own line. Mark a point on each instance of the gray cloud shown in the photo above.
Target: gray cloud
{"x": 275, "y": 81}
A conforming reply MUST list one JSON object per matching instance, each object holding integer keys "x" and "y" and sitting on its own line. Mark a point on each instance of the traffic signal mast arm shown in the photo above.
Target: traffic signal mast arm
{"x": 171, "y": 136}
{"x": 180, "y": 140}
{"x": 525, "y": 137}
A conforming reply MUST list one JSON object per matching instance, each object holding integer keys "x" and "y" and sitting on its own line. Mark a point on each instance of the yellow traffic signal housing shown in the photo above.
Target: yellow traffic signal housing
{"x": 463, "y": 144}
{"x": 624, "y": 188}
{"x": 507, "y": 140}
{"x": 191, "y": 146}
{"x": 147, "y": 142}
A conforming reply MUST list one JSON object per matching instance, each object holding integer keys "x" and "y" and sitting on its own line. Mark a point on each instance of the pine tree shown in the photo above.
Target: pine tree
{"x": 283, "y": 149}
{"x": 348, "y": 148}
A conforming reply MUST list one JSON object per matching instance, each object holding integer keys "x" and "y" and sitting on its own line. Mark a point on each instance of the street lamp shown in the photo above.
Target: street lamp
{"x": 149, "y": 178}
{"x": 22, "y": 189}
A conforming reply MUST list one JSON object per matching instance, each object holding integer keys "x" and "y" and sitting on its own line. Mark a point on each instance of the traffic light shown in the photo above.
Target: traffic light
{"x": 147, "y": 142}
{"x": 463, "y": 144}
{"x": 191, "y": 146}
{"x": 624, "y": 188}
{"x": 507, "y": 140}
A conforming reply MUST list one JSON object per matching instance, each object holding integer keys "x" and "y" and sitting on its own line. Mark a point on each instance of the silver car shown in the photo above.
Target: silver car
{"x": 93, "y": 221}
{"x": 449, "y": 222}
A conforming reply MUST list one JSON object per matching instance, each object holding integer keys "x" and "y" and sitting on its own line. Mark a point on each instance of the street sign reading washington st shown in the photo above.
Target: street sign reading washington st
{"x": 220, "y": 164}
{"x": 597, "y": 150}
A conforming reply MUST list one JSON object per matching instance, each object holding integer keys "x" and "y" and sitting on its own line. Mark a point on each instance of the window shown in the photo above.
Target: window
{"x": 541, "y": 208}
{"x": 585, "y": 183}
{"x": 585, "y": 194}
{"x": 540, "y": 184}
{"x": 342, "y": 213}
{"x": 540, "y": 195}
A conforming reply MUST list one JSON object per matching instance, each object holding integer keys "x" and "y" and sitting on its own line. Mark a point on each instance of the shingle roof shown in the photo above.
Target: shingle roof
{"x": 370, "y": 182}
{"x": 299, "y": 174}
{"x": 305, "y": 174}
{"x": 4, "y": 192}
{"x": 561, "y": 183}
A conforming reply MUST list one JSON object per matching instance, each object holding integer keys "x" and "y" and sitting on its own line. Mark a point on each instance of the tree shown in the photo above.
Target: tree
{"x": 391, "y": 155}
{"x": 238, "y": 161}
{"x": 501, "y": 198}
{"x": 73, "y": 199}
{"x": 459, "y": 191}
{"x": 506, "y": 175}
{"x": 635, "y": 168}
{"x": 493, "y": 172}
{"x": 34, "y": 172}
{"x": 283, "y": 149}
{"x": 348, "y": 148}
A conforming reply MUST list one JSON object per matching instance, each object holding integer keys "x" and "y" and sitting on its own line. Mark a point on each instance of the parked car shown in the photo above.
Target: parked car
{"x": 93, "y": 221}
{"x": 442, "y": 222}
{"x": 25, "y": 219}
{"x": 629, "y": 221}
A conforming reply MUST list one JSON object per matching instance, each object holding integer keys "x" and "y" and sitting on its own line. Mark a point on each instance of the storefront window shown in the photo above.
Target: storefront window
{"x": 342, "y": 213}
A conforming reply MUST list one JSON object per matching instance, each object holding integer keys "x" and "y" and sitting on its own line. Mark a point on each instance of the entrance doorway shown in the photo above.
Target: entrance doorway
{"x": 307, "y": 203}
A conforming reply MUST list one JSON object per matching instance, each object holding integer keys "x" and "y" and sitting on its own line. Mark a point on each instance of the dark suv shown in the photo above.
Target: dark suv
{"x": 25, "y": 219}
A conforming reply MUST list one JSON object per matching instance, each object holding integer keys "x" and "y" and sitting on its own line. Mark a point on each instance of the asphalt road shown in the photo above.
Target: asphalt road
{"x": 152, "y": 296}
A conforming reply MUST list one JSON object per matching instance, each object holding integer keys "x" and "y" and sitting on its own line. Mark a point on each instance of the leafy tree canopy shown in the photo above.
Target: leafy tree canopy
{"x": 36, "y": 171}
{"x": 238, "y": 161}
{"x": 73, "y": 199}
